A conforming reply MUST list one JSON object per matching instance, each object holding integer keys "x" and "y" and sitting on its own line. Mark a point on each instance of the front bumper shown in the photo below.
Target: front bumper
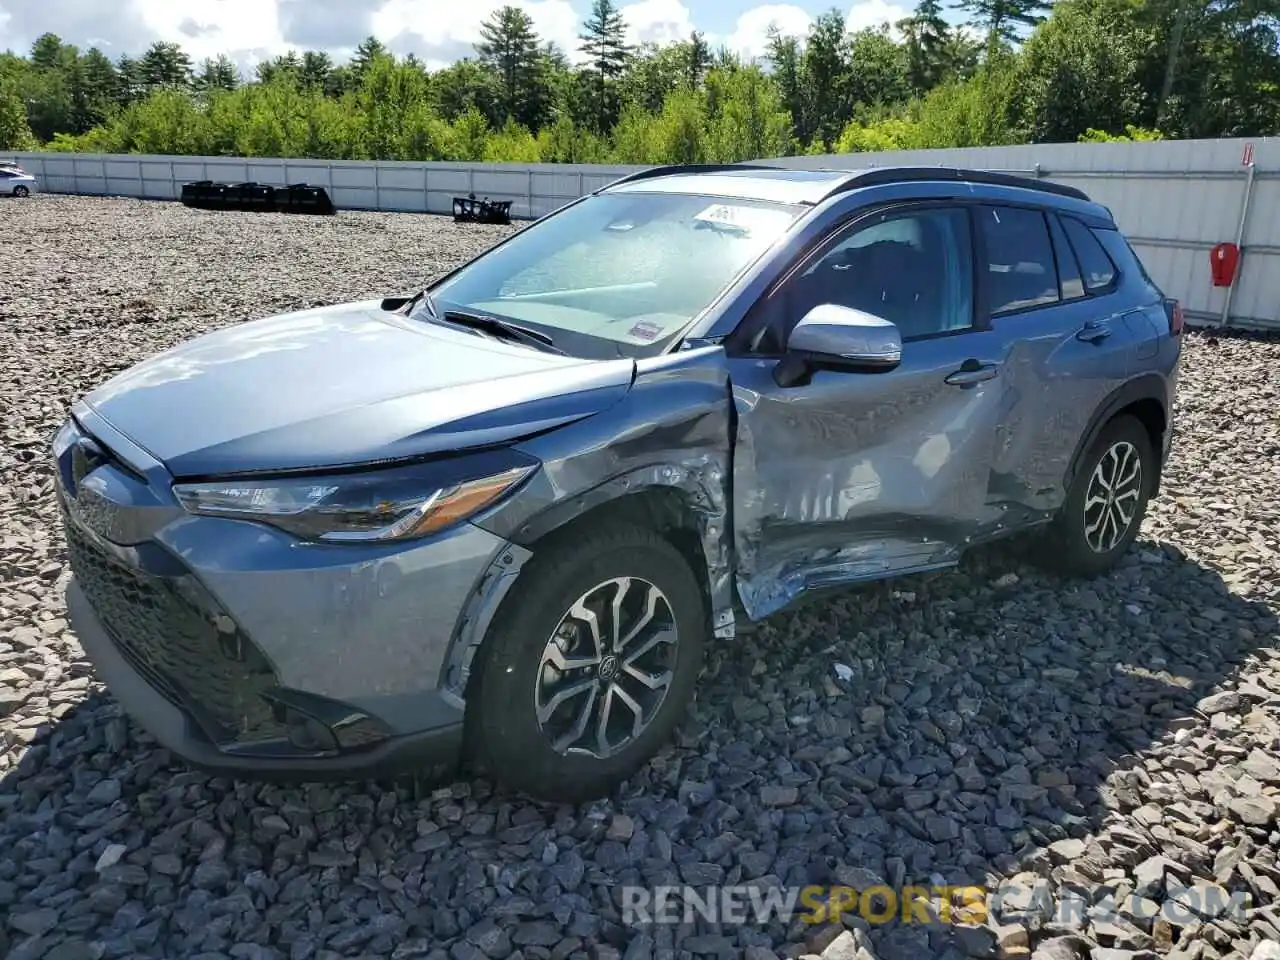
{"x": 430, "y": 753}
{"x": 245, "y": 652}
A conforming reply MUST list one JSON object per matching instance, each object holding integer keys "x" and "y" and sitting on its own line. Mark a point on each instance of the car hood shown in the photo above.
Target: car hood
{"x": 345, "y": 385}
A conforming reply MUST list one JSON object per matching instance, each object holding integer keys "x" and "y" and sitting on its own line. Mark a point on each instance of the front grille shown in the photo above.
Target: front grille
{"x": 168, "y": 630}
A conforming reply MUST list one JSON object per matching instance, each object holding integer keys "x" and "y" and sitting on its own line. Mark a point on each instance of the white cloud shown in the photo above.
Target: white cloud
{"x": 242, "y": 29}
{"x": 874, "y": 13}
{"x": 750, "y": 36}
{"x": 657, "y": 21}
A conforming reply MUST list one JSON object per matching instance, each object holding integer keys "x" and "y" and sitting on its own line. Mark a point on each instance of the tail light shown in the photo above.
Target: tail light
{"x": 1177, "y": 318}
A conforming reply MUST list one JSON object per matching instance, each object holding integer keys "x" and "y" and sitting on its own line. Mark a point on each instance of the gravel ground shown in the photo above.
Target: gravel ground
{"x": 1102, "y": 739}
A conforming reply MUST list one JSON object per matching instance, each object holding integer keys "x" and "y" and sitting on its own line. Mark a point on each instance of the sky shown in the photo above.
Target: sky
{"x": 438, "y": 31}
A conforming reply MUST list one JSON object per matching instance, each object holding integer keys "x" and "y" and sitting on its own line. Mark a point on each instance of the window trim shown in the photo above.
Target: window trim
{"x": 1108, "y": 288}
{"x": 735, "y": 344}
{"x": 986, "y": 274}
{"x": 1067, "y": 251}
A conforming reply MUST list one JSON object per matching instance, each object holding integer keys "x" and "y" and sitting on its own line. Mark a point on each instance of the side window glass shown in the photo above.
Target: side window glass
{"x": 913, "y": 268}
{"x": 1097, "y": 267}
{"x": 1070, "y": 283}
{"x": 1021, "y": 272}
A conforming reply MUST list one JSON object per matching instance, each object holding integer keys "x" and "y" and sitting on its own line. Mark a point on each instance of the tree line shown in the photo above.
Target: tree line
{"x": 1019, "y": 71}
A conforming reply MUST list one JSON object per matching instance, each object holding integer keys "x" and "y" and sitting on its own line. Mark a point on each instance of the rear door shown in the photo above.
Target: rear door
{"x": 1068, "y": 338}
{"x": 863, "y": 475}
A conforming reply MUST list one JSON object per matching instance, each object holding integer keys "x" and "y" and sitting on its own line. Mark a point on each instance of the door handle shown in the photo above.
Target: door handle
{"x": 1095, "y": 331}
{"x": 971, "y": 373}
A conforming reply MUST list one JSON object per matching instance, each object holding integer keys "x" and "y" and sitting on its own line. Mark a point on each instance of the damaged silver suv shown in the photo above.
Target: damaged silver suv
{"x": 503, "y": 520}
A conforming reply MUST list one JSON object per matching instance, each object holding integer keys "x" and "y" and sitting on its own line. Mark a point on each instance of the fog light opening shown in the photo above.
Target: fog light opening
{"x": 308, "y": 733}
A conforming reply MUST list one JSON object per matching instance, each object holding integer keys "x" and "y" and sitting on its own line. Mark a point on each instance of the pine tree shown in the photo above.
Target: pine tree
{"x": 317, "y": 69}
{"x": 217, "y": 73}
{"x": 509, "y": 46}
{"x": 784, "y": 56}
{"x": 826, "y": 77}
{"x": 370, "y": 48}
{"x": 926, "y": 34}
{"x": 129, "y": 80}
{"x": 604, "y": 42}
{"x": 1001, "y": 20}
{"x": 164, "y": 65}
{"x": 45, "y": 51}
{"x": 698, "y": 54}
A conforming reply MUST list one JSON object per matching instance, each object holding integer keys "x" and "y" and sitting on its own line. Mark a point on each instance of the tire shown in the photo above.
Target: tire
{"x": 21, "y": 192}
{"x": 1078, "y": 542}
{"x": 505, "y": 736}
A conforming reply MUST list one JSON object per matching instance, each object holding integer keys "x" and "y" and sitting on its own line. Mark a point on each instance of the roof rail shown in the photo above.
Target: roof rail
{"x": 875, "y": 176}
{"x": 675, "y": 168}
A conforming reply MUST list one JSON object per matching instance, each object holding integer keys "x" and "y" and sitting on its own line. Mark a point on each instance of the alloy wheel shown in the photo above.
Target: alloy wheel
{"x": 1111, "y": 500}
{"x": 607, "y": 668}
{"x": 20, "y": 191}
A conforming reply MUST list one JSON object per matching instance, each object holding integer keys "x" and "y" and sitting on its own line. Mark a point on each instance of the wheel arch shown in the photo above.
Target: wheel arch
{"x": 1144, "y": 398}
{"x": 683, "y": 504}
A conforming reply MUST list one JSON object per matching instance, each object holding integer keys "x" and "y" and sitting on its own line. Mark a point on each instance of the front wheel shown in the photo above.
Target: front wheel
{"x": 589, "y": 664}
{"x": 1106, "y": 503}
{"x": 21, "y": 192}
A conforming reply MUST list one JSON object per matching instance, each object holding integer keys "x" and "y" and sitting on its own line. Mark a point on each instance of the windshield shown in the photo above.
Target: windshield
{"x": 618, "y": 273}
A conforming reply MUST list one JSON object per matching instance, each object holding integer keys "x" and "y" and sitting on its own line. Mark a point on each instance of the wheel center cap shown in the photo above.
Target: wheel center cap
{"x": 608, "y": 668}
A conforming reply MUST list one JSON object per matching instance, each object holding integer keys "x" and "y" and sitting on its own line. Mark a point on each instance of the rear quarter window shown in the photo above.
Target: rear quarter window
{"x": 1096, "y": 267}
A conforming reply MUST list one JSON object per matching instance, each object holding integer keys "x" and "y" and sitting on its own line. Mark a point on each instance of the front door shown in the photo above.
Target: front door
{"x": 856, "y": 476}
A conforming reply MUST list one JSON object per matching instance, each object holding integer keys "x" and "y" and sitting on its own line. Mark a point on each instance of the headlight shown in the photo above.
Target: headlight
{"x": 397, "y": 504}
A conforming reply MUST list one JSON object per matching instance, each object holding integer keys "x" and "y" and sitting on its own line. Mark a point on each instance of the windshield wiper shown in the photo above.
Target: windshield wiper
{"x": 501, "y": 328}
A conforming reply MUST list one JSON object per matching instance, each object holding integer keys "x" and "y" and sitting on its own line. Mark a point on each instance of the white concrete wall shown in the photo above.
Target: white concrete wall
{"x": 1174, "y": 199}
{"x": 534, "y": 189}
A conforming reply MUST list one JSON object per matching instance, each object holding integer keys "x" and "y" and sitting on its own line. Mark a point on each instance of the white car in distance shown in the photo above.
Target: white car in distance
{"x": 16, "y": 182}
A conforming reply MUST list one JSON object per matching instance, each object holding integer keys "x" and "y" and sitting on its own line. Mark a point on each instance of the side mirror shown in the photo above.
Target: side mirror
{"x": 831, "y": 337}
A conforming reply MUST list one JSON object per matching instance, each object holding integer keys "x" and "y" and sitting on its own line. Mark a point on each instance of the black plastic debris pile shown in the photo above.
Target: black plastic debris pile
{"x": 470, "y": 210}
{"x": 260, "y": 197}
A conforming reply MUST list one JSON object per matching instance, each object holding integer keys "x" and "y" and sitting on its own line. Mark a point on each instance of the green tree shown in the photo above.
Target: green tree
{"x": 15, "y": 134}
{"x": 102, "y": 84}
{"x": 1004, "y": 20}
{"x": 368, "y": 50}
{"x": 1079, "y": 71}
{"x": 825, "y": 79}
{"x": 46, "y": 52}
{"x": 465, "y": 86}
{"x": 926, "y": 34}
{"x": 129, "y": 85}
{"x": 652, "y": 74}
{"x": 604, "y": 43}
{"x": 164, "y": 65}
{"x": 217, "y": 73}
{"x": 879, "y": 71}
{"x": 696, "y": 55}
{"x": 785, "y": 56}
{"x": 316, "y": 71}
{"x": 749, "y": 121}
{"x": 509, "y": 47}
{"x": 278, "y": 67}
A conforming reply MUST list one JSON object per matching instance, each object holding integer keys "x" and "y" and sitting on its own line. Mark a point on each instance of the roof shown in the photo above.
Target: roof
{"x": 782, "y": 185}
{"x": 743, "y": 183}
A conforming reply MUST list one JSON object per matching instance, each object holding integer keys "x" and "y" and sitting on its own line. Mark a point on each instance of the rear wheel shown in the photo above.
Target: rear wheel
{"x": 1106, "y": 503}
{"x": 21, "y": 191}
{"x": 589, "y": 665}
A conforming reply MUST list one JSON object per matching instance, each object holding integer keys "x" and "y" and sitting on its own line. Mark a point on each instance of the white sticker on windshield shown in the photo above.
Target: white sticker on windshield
{"x": 719, "y": 213}
{"x": 741, "y": 217}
